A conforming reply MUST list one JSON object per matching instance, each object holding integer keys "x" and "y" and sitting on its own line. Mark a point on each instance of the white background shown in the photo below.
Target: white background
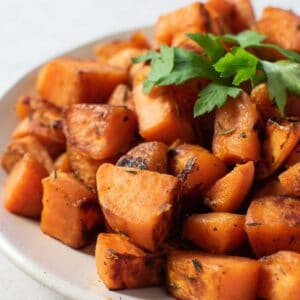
{"x": 32, "y": 31}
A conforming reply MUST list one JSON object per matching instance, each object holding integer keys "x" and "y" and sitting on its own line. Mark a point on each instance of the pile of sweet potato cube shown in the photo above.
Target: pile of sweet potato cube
{"x": 189, "y": 202}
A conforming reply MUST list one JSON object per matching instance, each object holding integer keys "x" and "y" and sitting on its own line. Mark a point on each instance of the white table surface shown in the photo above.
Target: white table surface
{"x": 32, "y": 31}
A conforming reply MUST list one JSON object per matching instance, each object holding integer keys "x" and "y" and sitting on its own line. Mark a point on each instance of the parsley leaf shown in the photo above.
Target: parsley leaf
{"x": 250, "y": 38}
{"x": 245, "y": 38}
{"x": 283, "y": 76}
{"x": 175, "y": 65}
{"x": 213, "y": 95}
{"x": 240, "y": 63}
{"x": 210, "y": 43}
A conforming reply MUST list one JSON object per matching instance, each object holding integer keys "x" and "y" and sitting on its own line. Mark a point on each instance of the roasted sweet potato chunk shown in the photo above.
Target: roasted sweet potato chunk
{"x": 281, "y": 27}
{"x": 46, "y": 126}
{"x": 272, "y": 187}
{"x": 219, "y": 233}
{"x": 294, "y": 157}
{"x": 121, "y": 264}
{"x": 107, "y": 50}
{"x": 160, "y": 117}
{"x": 281, "y": 138}
{"x": 66, "y": 81}
{"x": 150, "y": 156}
{"x": 19, "y": 147}
{"x": 84, "y": 167}
{"x": 28, "y": 104}
{"x": 290, "y": 180}
{"x": 121, "y": 96}
{"x": 71, "y": 212}
{"x": 193, "y": 15}
{"x": 23, "y": 188}
{"x": 123, "y": 59}
{"x": 100, "y": 130}
{"x": 62, "y": 163}
{"x": 280, "y": 276}
{"x": 236, "y": 138}
{"x": 228, "y": 193}
{"x": 196, "y": 275}
{"x": 138, "y": 203}
{"x": 187, "y": 163}
{"x": 272, "y": 224}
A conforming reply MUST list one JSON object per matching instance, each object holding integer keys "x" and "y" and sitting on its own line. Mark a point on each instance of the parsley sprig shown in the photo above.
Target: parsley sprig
{"x": 226, "y": 69}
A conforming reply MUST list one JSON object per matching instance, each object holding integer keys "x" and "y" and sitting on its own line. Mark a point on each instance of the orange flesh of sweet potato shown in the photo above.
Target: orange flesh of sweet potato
{"x": 272, "y": 224}
{"x": 290, "y": 180}
{"x": 187, "y": 163}
{"x": 23, "y": 188}
{"x": 123, "y": 58}
{"x": 19, "y": 147}
{"x": 85, "y": 168}
{"x": 28, "y": 104}
{"x": 219, "y": 233}
{"x": 100, "y": 130}
{"x": 272, "y": 187}
{"x": 195, "y": 275}
{"x": 267, "y": 108}
{"x": 294, "y": 157}
{"x": 62, "y": 163}
{"x": 121, "y": 264}
{"x": 159, "y": 116}
{"x": 121, "y": 96}
{"x": 236, "y": 138}
{"x": 139, "y": 203}
{"x": 107, "y": 50}
{"x": 228, "y": 193}
{"x": 150, "y": 156}
{"x": 67, "y": 81}
{"x": 71, "y": 212}
{"x": 280, "y": 276}
{"x": 46, "y": 126}
{"x": 192, "y": 15}
{"x": 281, "y": 27}
{"x": 281, "y": 138}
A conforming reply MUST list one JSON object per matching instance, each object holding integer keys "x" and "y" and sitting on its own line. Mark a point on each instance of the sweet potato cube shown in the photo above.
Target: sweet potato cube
{"x": 71, "y": 213}
{"x": 280, "y": 276}
{"x": 195, "y": 275}
{"x": 187, "y": 163}
{"x": 67, "y": 81}
{"x": 159, "y": 116}
{"x": 121, "y": 264}
{"x": 228, "y": 193}
{"x": 23, "y": 188}
{"x": 84, "y": 167}
{"x": 290, "y": 180}
{"x": 294, "y": 157}
{"x": 19, "y": 147}
{"x": 281, "y": 138}
{"x": 121, "y": 96}
{"x": 271, "y": 187}
{"x": 62, "y": 163}
{"x": 46, "y": 126}
{"x": 107, "y": 50}
{"x": 150, "y": 156}
{"x": 100, "y": 130}
{"x": 192, "y": 15}
{"x": 281, "y": 27}
{"x": 139, "y": 203}
{"x": 236, "y": 138}
{"x": 272, "y": 224}
{"x": 219, "y": 233}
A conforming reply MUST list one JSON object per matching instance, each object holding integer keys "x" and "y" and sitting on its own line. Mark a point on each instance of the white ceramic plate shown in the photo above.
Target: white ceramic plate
{"x": 68, "y": 271}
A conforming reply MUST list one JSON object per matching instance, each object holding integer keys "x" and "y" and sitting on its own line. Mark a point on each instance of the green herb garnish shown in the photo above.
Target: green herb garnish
{"x": 226, "y": 69}
{"x": 197, "y": 265}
